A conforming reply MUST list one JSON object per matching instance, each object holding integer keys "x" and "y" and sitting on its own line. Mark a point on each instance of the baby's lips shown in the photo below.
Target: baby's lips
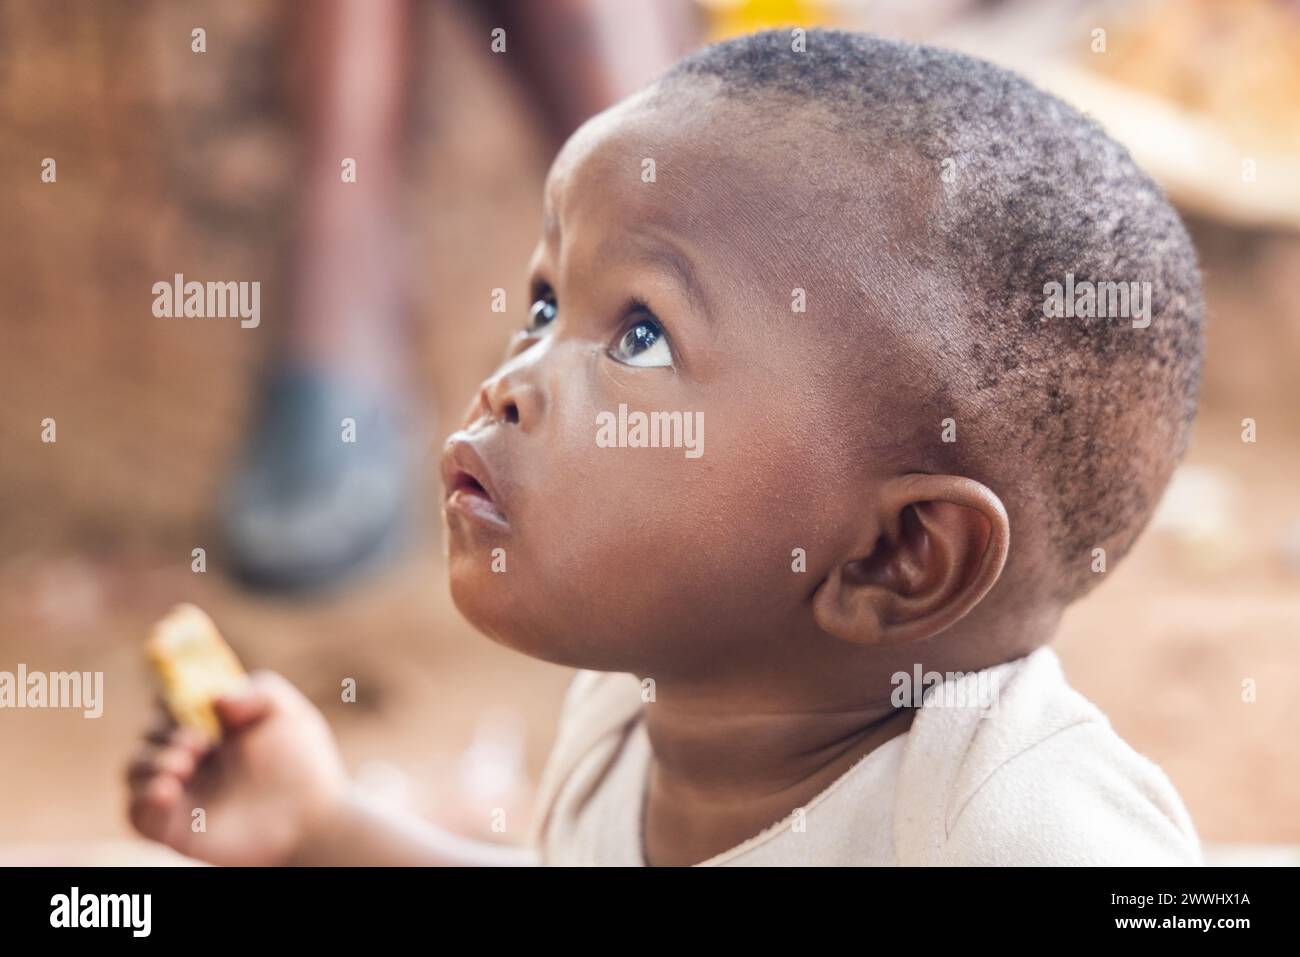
{"x": 461, "y": 460}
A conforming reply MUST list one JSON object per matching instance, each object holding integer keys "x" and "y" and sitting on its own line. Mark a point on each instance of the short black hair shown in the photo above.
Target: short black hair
{"x": 1100, "y": 411}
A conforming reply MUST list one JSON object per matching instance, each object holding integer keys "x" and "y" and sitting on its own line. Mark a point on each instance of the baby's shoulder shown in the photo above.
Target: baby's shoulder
{"x": 606, "y": 698}
{"x": 1039, "y": 777}
{"x": 594, "y": 717}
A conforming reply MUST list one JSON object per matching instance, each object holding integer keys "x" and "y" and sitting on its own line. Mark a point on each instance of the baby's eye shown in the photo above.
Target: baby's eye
{"x": 644, "y": 344}
{"x": 542, "y": 312}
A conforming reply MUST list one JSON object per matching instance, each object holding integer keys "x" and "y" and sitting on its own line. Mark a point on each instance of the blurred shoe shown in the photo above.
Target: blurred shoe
{"x": 316, "y": 499}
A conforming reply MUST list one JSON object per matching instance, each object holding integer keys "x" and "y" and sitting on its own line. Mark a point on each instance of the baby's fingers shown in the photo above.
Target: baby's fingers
{"x": 152, "y": 803}
{"x": 176, "y": 761}
{"x": 167, "y": 733}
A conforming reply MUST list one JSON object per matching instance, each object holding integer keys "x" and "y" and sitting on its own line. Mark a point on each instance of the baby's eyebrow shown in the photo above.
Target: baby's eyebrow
{"x": 677, "y": 264}
{"x": 550, "y": 227}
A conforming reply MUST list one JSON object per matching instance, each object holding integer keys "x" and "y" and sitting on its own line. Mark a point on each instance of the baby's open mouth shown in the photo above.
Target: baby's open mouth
{"x": 464, "y": 482}
{"x": 468, "y": 483}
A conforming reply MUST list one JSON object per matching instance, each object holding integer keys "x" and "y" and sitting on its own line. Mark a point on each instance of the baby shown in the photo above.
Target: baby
{"x": 820, "y": 636}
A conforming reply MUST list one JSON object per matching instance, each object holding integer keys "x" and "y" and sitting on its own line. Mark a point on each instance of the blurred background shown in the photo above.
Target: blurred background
{"x": 224, "y": 164}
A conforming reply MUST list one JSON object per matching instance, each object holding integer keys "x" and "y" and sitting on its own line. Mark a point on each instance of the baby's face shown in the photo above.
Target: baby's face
{"x": 676, "y": 241}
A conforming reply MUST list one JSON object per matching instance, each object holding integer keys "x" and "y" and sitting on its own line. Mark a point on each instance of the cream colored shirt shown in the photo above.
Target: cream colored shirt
{"x": 1034, "y": 776}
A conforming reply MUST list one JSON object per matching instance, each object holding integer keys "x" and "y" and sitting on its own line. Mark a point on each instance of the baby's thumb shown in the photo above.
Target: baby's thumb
{"x": 249, "y": 703}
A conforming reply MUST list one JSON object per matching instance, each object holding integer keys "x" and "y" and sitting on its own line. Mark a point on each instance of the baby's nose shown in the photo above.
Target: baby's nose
{"x": 510, "y": 398}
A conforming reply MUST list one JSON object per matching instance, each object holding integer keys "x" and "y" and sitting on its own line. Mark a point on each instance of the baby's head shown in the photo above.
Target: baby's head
{"x": 834, "y": 268}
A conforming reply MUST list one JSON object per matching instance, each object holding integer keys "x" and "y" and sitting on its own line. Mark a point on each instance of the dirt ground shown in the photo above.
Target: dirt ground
{"x": 168, "y": 163}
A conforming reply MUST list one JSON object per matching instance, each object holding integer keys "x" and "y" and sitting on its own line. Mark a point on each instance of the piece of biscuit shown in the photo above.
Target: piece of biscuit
{"x": 194, "y": 665}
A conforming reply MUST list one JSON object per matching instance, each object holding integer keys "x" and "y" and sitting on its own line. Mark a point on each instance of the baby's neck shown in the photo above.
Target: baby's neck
{"x": 721, "y": 774}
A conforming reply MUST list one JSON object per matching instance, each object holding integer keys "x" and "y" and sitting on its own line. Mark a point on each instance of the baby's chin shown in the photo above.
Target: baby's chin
{"x": 474, "y": 593}
{"x": 498, "y": 610}
{"x": 488, "y": 602}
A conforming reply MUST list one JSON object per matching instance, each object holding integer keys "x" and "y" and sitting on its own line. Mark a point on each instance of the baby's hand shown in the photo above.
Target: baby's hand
{"x": 275, "y": 779}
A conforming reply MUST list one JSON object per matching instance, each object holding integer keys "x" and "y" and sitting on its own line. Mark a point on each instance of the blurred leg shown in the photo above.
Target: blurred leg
{"x": 322, "y": 486}
{"x": 579, "y": 56}
{"x": 346, "y": 284}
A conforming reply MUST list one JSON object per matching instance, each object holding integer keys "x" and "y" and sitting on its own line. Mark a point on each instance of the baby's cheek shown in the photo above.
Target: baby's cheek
{"x": 670, "y": 534}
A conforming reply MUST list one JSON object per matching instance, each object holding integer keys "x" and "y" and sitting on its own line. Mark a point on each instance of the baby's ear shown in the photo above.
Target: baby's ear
{"x": 942, "y": 541}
